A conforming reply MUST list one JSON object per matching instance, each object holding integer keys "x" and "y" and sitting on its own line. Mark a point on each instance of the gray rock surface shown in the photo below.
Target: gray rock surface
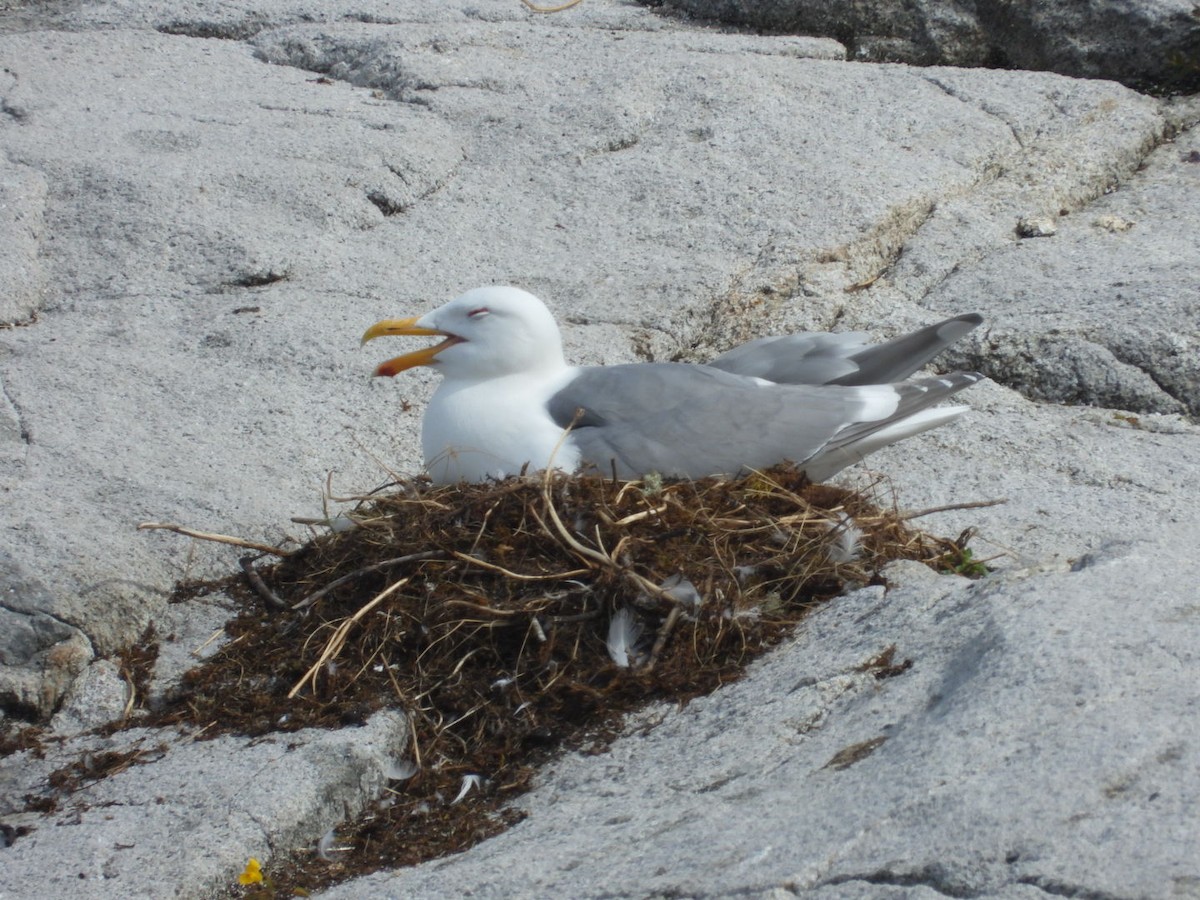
{"x": 1132, "y": 250}
{"x": 186, "y": 813}
{"x": 22, "y": 222}
{"x": 209, "y": 201}
{"x": 909, "y": 783}
{"x": 237, "y": 263}
{"x": 98, "y": 696}
{"x": 1150, "y": 44}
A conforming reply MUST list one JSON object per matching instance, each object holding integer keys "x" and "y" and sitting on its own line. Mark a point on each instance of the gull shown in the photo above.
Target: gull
{"x": 509, "y": 403}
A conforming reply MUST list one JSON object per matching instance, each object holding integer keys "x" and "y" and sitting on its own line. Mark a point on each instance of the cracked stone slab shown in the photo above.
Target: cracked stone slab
{"x": 213, "y": 177}
{"x": 14, "y": 436}
{"x": 1100, "y": 314}
{"x": 1071, "y": 479}
{"x": 620, "y": 175}
{"x": 203, "y": 182}
{"x": 220, "y": 20}
{"x": 1146, "y": 44}
{"x": 22, "y": 222}
{"x": 98, "y": 696}
{"x": 40, "y": 655}
{"x": 1066, "y": 145}
{"x": 1010, "y": 756}
{"x": 183, "y": 821}
{"x": 195, "y": 360}
{"x": 244, "y": 209}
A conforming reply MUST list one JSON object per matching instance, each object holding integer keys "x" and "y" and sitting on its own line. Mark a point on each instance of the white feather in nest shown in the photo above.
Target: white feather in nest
{"x": 400, "y": 770}
{"x": 325, "y": 844}
{"x": 469, "y": 783}
{"x": 846, "y": 545}
{"x": 624, "y": 631}
{"x": 683, "y": 592}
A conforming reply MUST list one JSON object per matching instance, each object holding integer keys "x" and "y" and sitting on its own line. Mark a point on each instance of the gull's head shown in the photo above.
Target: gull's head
{"x": 489, "y": 332}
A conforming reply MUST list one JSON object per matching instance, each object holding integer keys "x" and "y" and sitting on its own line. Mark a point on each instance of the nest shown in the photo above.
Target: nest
{"x": 512, "y": 620}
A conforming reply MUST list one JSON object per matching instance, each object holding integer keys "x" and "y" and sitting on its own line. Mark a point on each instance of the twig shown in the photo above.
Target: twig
{"x": 629, "y": 485}
{"x": 587, "y": 553}
{"x": 272, "y": 599}
{"x": 212, "y": 637}
{"x": 485, "y": 610}
{"x": 508, "y": 573}
{"x": 483, "y": 525}
{"x": 550, "y": 9}
{"x": 217, "y": 538}
{"x": 338, "y": 640}
{"x": 131, "y": 700}
{"x": 559, "y": 532}
{"x": 412, "y": 731}
{"x": 663, "y": 633}
{"x": 353, "y": 498}
{"x": 396, "y": 478}
{"x": 865, "y": 283}
{"x": 577, "y": 617}
{"x": 978, "y": 504}
{"x": 365, "y": 570}
{"x": 638, "y": 516}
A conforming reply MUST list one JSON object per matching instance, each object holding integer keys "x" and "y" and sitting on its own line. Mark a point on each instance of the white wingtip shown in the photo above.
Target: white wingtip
{"x": 829, "y": 463}
{"x": 907, "y": 427}
{"x": 879, "y": 401}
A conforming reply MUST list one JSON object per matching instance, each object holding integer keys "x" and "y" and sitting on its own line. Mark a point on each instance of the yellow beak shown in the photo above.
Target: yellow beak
{"x": 408, "y": 360}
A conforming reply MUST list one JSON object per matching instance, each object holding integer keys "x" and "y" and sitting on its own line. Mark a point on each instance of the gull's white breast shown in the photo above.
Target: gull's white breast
{"x": 476, "y": 430}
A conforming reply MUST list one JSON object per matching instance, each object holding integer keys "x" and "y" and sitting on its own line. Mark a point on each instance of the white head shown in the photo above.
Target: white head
{"x": 489, "y": 331}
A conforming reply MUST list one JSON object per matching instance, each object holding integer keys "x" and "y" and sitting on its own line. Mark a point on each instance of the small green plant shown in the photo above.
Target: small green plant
{"x": 959, "y": 559}
{"x": 968, "y": 565}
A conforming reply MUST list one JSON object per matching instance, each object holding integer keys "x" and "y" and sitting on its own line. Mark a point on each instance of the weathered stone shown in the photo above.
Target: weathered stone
{"x": 214, "y": 199}
{"x": 98, "y": 696}
{"x": 185, "y": 816}
{"x": 1103, "y": 315}
{"x": 270, "y": 210}
{"x": 1151, "y": 44}
{"x": 22, "y": 222}
{"x": 1005, "y": 757}
{"x": 40, "y": 655}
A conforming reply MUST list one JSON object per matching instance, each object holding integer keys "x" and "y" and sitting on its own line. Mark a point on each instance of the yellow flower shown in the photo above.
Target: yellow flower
{"x": 252, "y": 873}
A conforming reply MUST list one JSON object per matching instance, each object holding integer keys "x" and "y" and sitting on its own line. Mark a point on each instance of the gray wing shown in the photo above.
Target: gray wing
{"x": 694, "y": 421}
{"x": 845, "y": 359}
{"x": 806, "y": 358}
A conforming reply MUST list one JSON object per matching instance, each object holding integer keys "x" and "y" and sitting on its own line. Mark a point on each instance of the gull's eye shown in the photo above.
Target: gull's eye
{"x": 478, "y": 313}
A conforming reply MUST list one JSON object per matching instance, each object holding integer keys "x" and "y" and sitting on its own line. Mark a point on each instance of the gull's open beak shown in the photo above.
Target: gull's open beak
{"x": 408, "y": 360}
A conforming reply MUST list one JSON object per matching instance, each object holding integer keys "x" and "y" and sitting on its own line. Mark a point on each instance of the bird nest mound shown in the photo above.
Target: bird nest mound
{"x": 511, "y": 620}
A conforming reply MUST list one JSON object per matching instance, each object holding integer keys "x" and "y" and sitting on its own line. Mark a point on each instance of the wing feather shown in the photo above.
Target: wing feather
{"x": 693, "y": 421}
{"x": 845, "y": 358}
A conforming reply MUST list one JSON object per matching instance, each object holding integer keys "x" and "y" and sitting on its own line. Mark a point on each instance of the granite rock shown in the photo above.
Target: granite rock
{"x": 207, "y": 203}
